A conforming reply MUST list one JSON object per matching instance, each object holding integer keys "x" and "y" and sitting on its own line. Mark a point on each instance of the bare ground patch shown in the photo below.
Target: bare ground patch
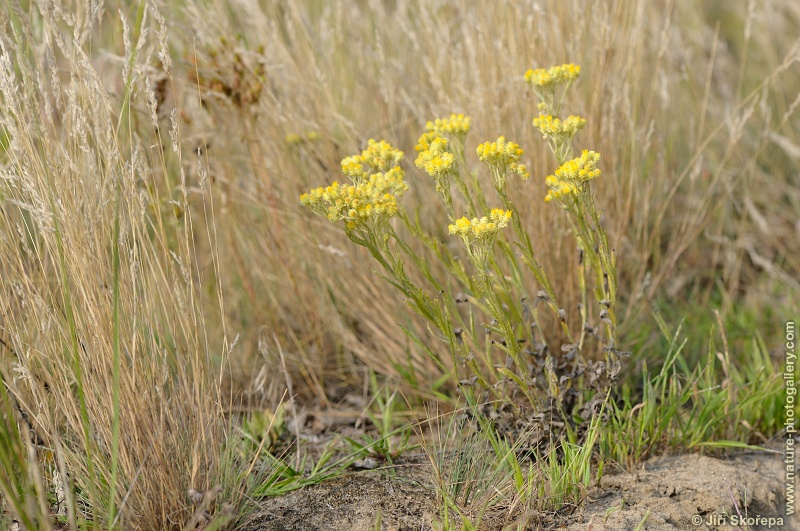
{"x": 665, "y": 493}
{"x": 668, "y": 491}
{"x": 354, "y": 503}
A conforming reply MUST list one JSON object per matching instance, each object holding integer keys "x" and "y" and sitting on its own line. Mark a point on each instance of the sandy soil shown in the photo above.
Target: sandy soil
{"x": 665, "y": 493}
{"x": 668, "y": 492}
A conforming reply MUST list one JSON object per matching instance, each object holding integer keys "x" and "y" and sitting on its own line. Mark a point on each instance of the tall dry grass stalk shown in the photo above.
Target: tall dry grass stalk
{"x": 105, "y": 354}
{"x": 696, "y": 120}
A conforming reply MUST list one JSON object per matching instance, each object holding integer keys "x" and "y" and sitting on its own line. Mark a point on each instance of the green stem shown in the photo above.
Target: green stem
{"x": 529, "y": 258}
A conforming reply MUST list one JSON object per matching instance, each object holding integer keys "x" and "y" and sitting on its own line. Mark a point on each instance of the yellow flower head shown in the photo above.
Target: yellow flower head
{"x": 479, "y": 233}
{"x": 559, "y": 189}
{"x": 462, "y": 226}
{"x": 381, "y": 156}
{"x": 552, "y": 76}
{"x": 353, "y": 167}
{"x": 434, "y": 157}
{"x": 391, "y": 182}
{"x": 572, "y": 174}
{"x": 499, "y": 152}
{"x": 456, "y": 125}
{"x": 424, "y": 142}
{"x": 558, "y": 129}
{"x": 580, "y": 169}
{"x": 378, "y": 157}
{"x": 504, "y": 156}
{"x": 483, "y": 228}
{"x": 371, "y": 201}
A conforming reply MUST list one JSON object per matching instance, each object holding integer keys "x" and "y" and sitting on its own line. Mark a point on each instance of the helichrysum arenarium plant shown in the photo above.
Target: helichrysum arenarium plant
{"x": 570, "y": 188}
{"x": 496, "y": 337}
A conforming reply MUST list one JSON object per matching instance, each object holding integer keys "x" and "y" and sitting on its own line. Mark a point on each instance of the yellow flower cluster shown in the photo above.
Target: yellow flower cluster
{"x": 580, "y": 169}
{"x": 553, "y": 76}
{"x": 425, "y": 141}
{"x": 573, "y": 173}
{"x": 481, "y": 228}
{"x": 499, "y": 152}
{"x": 502, "y": 155}
{"x": 379, "y": 156}
{"x": 433, "y": 155}
{"x": 559, "y": 189}
{"x": 374, "y": 199}
{"x": 557, "y": 128}
{"x": 456, "y": 125}
{"x": 354, "y": 169}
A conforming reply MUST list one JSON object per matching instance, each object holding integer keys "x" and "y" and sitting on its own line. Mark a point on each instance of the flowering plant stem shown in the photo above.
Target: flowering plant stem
{"x": 529, "y": 259}
{"x": 570, "y": 188}
{"x": 469, "y": 195}
{"x": 436, "y": 311}
{"x": 510, "y": 345}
